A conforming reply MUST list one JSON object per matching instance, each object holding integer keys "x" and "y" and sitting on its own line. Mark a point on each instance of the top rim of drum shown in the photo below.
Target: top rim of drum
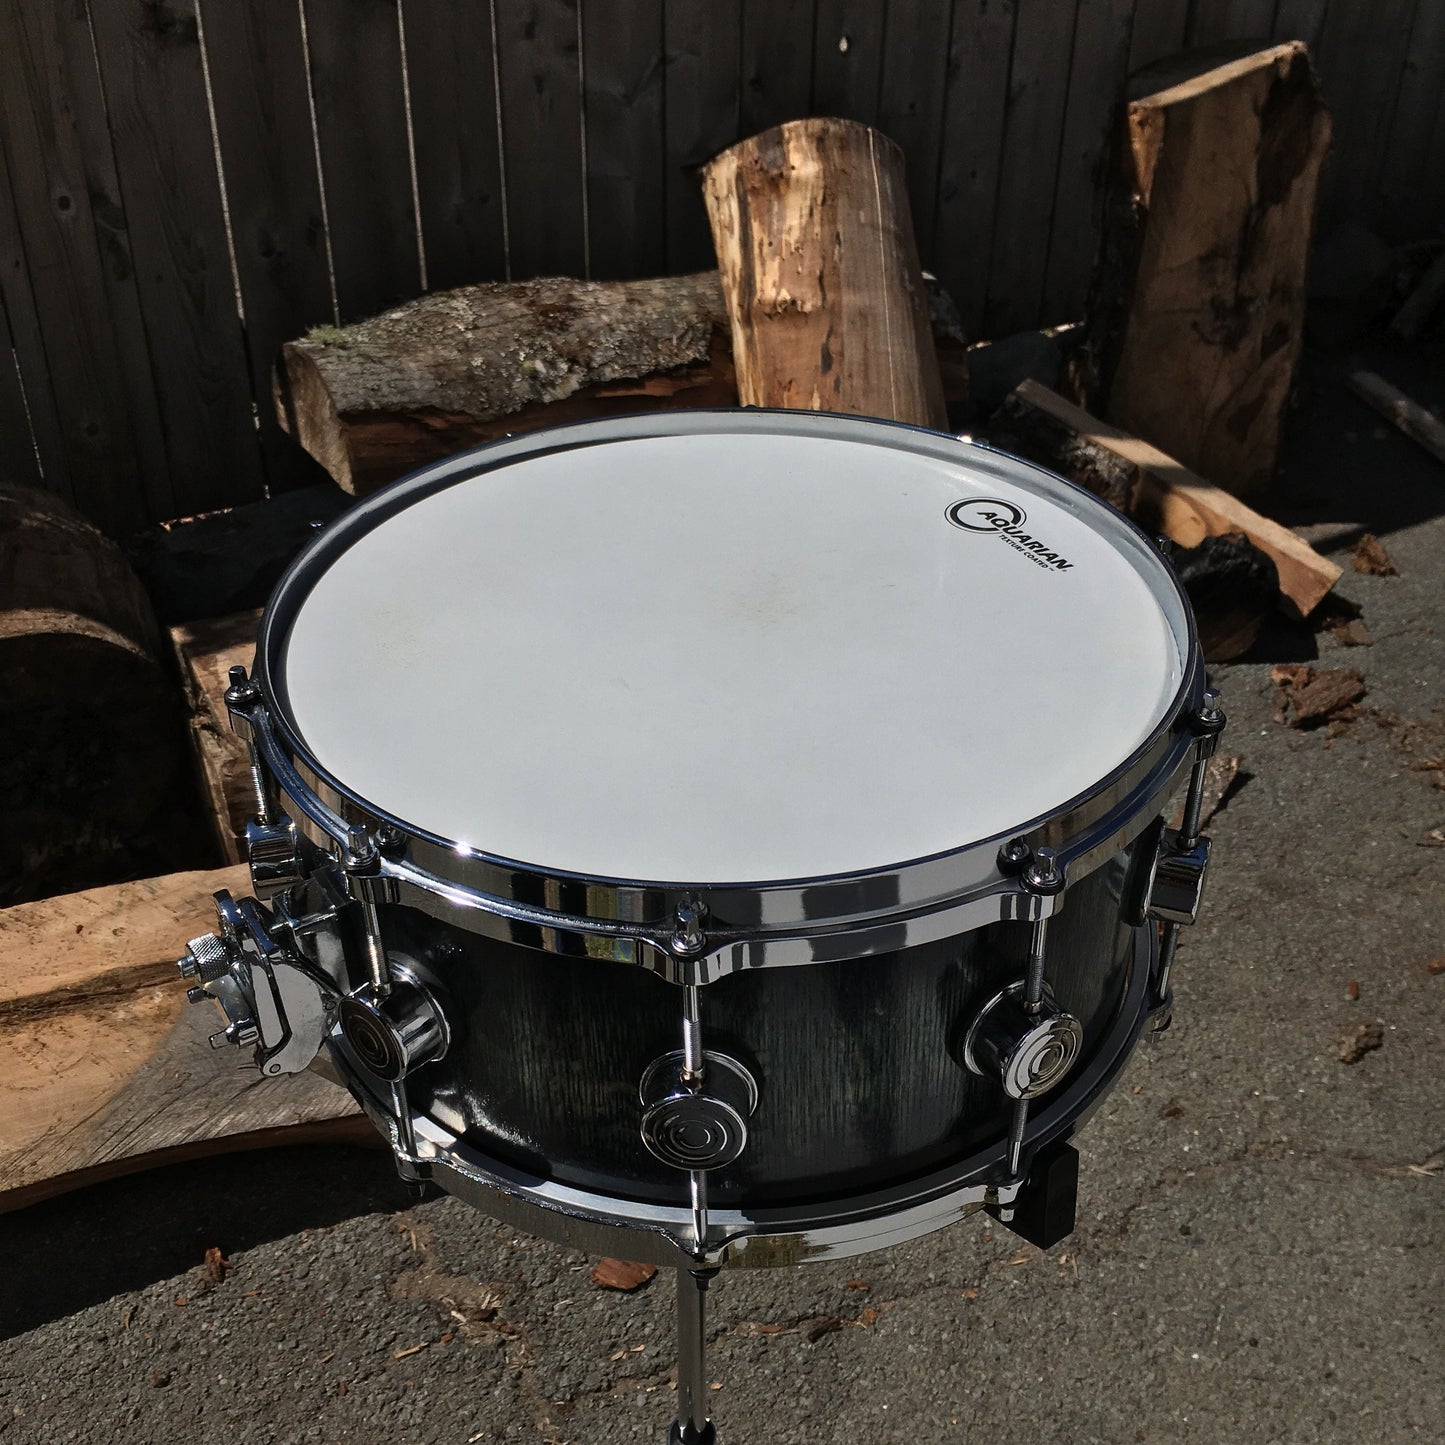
{"x": 1118, "y": 795}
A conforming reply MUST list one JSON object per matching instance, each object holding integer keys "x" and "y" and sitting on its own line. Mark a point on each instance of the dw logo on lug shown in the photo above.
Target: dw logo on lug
{"x": 989, "y": 514}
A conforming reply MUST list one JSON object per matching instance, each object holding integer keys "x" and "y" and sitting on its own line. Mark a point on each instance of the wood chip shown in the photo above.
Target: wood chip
{"x": 814, "y": 1330}
{"x": 1351, "y": 632}
{"x": 1363, "y": 1037}
{"x": 1352, "y": 990}
{"x": 1309, "y": 696}
{"x": 1436, "y": 965}
{"x": 622, "y": 1274}
{"x": 1435, "y": 838}
{"x": 216, "y": 1265}
{"x": 757, "y": 1327}
{"x": 413, "y": 1350}
{"x": 1172, "y": 1110}
{"x": 869, "y": 1316}
{"x": 160, "y": 1378}
{"x": 858, "y": 1284}
{"x": 1371, "y": 558}
{"x": 1220, "y": 775}
{"x": 970, "y": 1294}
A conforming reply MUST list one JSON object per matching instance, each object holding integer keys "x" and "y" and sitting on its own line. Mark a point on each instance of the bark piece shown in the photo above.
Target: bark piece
{"x": 1198, "y": 315}
{"x": 90, "y": 735}
{"x": 1161, "y": 495}
{"x": 454, "y": 369}
{"x": 622, "y": 1274}
{"x": 1371, "y": 558}
{"x": 206, "y": 652}
{"x": 1309, "y": 696}
{"x": 106, "y": 1065}
{"x": 825, "y": 295}
{"x": 1362, "y": 1038}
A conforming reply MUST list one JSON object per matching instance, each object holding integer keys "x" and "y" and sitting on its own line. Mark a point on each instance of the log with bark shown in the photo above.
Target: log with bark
{"x": 1197, "y": 312}
{"x": 1159, "y": 493}
{"x": 826, "y": 300}
{"x": 91, "y": 739}
{"x": 107, "y": 1069}
{"x": 454, "y": 369}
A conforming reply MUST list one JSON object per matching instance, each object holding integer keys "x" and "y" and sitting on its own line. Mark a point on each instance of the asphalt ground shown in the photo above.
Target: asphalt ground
{"x": 1260, "y": 1251}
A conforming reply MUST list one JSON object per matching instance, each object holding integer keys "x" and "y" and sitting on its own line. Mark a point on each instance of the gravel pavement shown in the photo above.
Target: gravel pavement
{"x": 1261, "y": 1245}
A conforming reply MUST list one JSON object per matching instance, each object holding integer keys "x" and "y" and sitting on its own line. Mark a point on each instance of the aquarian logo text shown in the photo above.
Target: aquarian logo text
{"x": 988, "y": 514}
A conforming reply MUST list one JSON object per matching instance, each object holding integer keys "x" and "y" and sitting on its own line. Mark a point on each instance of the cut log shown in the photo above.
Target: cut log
{"x": 1197, "y": 315}
{"x": 825, "y": 296}
{"x": 206, "y": 652}
{"x": 1159, "y": 493}
{"x": 1419, "y": 424}
{"x": 90, "y": 724}
{"x": 458, "y": 368}
{"x": 1232, "y": 587}
{"x": 104, "y": 1066}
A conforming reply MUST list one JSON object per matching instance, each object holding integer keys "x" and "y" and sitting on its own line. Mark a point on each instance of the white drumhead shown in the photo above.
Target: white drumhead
{"x": 734, "y": 657}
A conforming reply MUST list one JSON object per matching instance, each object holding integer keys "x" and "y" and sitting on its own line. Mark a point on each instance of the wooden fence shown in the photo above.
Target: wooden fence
{"x": 185, "y": 184}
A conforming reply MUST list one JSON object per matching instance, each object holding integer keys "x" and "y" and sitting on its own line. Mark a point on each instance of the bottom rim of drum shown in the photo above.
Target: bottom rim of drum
{"x": 853, "y": 1224}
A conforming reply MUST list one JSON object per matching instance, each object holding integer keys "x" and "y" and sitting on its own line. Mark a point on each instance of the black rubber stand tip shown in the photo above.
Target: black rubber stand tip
{"x": 1043, "y": 1214}
{"x": 680, "y": 1434}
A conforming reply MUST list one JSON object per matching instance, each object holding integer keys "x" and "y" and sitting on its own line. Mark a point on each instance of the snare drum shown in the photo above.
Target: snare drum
{"x": 737, "y": 829}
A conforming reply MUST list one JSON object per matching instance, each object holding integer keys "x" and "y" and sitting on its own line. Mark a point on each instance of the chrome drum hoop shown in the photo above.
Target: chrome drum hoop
{"x": 749, "y": 925}
{"x": 662, "y": 1235}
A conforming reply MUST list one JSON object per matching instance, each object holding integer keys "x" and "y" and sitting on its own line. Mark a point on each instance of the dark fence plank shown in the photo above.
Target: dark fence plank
{"x": 72, "y": 231}
{"x": 775, "y": 63}
{"x": 1407, "y": 209}
{"x": 849, "y": 53}
{"x": 19, "y": 461}
{"x": 1092, "y": 114}
{"x": 263, "y": 125}
{"x": 622, "y": 62}
{"x": 1158, "y": 30}
{"x": 542, "y": 137}
{"x": 150, "y": 61}
{"x": 975, "y": 101}
{"x": 1300, "y": 20}
{"x": 910, "y": 102}
{"x": 365, "y": 161}
{"x": 701, "y": 116}
{"x": 1361, "y": 60}
{"x": 1222, "y": 20}
{"x": 449, "y": 60}
{"x": 1038, "y": 87}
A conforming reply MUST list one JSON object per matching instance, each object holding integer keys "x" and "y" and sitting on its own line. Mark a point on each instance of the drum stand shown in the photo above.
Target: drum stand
{"x": 692, "y": 1426}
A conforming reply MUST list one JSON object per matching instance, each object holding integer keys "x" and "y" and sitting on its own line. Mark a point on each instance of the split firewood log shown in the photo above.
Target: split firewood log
{"x": 825, "y": 295}
{"x": 1197, "y": 314}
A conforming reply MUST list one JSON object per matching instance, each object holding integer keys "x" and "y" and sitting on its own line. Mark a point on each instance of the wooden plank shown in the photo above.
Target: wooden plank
{"x": 76, "y": 253}
{"x": 1158, "y": 31}
{"x": 1091, "y": 115}
{"x": 700, "y": 117}
{"x": 449, "y": 61}
{"x": 205, "y": 652}
{"x": 1023, "y": 213}
{"x": 356, "y": 80}
{"x": 104, "y": 1066}
{"x": 974, "y": 106}
{"x": 1173, "y": 500}
{"x": 1360, "y": 62}
{"x": 541, "y": 86}
{"x": 910, "y": 102}
{"x": 150, "y": 63}
{"x": 848, "y": 58}
{"x": 257, "y": 69}
{"x": 622, "y": 49}
{"x": 1409, "y": 209}
{"x": 775, "y": 67}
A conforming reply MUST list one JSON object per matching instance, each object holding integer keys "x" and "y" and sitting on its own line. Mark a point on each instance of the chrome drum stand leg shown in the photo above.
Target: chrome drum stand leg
{"x": 692, "y": 1426}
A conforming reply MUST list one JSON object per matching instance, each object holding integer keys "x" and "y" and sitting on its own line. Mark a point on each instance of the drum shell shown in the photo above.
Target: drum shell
{"x": 858, "y": 1061}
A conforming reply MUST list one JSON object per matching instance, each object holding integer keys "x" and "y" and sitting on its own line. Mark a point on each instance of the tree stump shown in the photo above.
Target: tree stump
{"x": 90, "y": 724}
{"x": 1197, "y": 316}
{"x": 825, "y": 295}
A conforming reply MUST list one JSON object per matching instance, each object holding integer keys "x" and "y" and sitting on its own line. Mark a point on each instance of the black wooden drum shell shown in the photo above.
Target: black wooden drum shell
{"x": 859, "y": 1062}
